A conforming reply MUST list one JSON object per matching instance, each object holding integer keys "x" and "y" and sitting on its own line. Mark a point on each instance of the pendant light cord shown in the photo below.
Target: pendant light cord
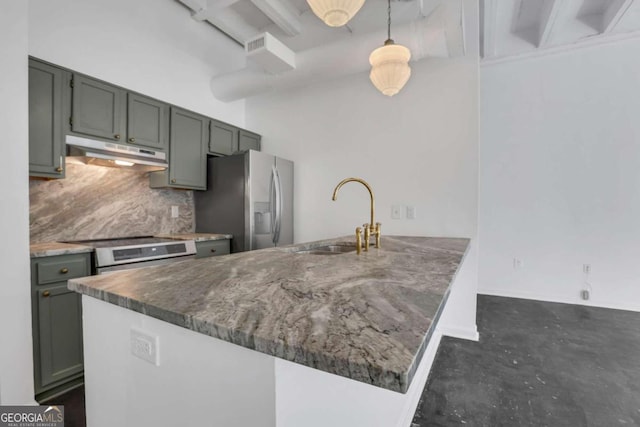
{"x": 388, "y": 41}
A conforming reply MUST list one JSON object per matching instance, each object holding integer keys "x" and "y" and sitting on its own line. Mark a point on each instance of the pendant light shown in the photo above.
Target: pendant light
{"x": 390, "y": 69}
{"x": 335, "y": 13}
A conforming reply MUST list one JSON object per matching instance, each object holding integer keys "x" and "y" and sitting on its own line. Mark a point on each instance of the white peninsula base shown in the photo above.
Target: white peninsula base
{"x": 204, "y": 381}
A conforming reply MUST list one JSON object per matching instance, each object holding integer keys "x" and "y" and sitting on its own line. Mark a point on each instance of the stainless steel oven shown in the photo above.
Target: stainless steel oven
{"x": 137, "y": 252}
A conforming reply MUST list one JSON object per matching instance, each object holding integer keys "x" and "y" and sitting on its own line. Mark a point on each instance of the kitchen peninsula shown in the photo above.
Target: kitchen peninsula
{"x": 369, "y": 319}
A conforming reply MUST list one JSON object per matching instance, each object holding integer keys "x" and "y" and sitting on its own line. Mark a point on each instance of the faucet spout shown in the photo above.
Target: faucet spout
{"x": 372, "y": 224}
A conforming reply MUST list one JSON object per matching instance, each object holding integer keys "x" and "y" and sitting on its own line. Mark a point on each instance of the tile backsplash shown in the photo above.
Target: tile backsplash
{"x": 95, "y": 202}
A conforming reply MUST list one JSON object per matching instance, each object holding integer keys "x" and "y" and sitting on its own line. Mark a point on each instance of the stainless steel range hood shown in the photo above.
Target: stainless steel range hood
{"x": 101, "y": 153}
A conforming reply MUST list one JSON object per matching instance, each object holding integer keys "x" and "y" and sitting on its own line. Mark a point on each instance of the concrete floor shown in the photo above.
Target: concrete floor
{"x": 537, "y": 364}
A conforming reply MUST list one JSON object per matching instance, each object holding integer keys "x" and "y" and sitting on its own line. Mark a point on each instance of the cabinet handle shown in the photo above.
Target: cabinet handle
{"x": 59, "y": 169}
{"x": 173, "y": 180}
{"x": 213, "y": 250}
{"x": 132, "y": 139}
{"x": 116, "y": 136}
{"x": 46, "y": 294}
{"x": 64, "y": 270}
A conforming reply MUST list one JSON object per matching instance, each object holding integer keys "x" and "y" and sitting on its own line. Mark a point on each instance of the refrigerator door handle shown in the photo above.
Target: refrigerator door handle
{"x": 278, "y": 219}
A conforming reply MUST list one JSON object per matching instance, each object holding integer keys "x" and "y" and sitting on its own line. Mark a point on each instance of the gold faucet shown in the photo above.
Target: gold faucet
{"x": 369, "y": 229}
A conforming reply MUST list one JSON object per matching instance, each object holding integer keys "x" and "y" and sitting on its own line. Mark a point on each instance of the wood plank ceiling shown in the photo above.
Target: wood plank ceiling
{"x": 516, "y": 28}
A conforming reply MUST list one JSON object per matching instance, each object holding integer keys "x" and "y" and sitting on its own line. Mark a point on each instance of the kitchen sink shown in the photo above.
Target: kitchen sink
{"x": 327, "y": 250}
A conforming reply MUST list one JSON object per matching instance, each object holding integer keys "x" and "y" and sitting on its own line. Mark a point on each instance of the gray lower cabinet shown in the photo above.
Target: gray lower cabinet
{"x": 248, "y": 141}
{"x": 188, "y": 136}
{"x": 98, "y": 109}
{"x": 46, "y": 144}
{"x": 210, "y": 248}
{"x": 223, "y": 138}
{"x": 57, "y": 322}
{"x": 147, "y": 122}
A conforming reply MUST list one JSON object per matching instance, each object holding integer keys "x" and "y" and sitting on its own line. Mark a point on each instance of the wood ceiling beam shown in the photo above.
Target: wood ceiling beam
{"x": 489, "y": 21}
{"x": 453, "y": 26}
{"x": 218, "y": 14}
{"x": 232, "y": 24}
{"x": 211, "y": 8}
{"x": 282, "y": 14}
{"x": 614, "y": 13}
{"x": 551, "y": 10}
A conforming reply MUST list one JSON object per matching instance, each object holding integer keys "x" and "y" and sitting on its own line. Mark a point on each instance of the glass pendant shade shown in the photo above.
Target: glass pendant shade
{"x": 335, "y": 13}
{"x": 390, "y": 69}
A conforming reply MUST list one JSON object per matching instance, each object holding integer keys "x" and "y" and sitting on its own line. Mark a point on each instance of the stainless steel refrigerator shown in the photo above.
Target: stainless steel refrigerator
{"x": 249, "y": 195}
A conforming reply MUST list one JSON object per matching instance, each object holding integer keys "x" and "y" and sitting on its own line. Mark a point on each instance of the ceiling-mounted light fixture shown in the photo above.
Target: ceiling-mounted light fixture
{"x": 335, "y": 13}
{"x": 390, "y": 69}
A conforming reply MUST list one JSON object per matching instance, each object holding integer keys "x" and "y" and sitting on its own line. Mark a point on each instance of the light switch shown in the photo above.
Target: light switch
{"x": 396, "y": 211}
{"x": 411, "y": 212}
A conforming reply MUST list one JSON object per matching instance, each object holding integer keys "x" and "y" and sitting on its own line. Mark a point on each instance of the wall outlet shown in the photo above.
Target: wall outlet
{"x": 411, "y": 212}
{"x": 175, "y": 211}
{"x": 586, "y": 268}
{"x": 397, "y": 211}
{"x": 145, "y": 346}
{"x": 584, "y": 294}
{"x": 517, "y": 264}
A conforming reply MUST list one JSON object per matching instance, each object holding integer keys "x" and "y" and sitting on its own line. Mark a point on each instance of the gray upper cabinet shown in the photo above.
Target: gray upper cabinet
{"x": 188, "y": 136}
{"x": 147, "y": 122}
{"x": 249, "y": 141}
{"x": 98, "y": 109}
{"x": 65, "y": 102}
{"x": 46, "y": 146}
{"x": 223, "y": 139}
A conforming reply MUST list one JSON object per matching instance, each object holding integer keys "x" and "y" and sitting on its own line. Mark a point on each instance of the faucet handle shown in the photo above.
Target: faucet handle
{"x": 367, "y": 235}
{"x": 378, "y": 234}
{"x": 358, "y": 240}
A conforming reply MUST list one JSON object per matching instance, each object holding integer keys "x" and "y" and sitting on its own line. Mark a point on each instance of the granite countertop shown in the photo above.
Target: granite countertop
{"x": 54, "y": 248}
{"x": 198, "y": 237}
{"x": 365, "y": 317}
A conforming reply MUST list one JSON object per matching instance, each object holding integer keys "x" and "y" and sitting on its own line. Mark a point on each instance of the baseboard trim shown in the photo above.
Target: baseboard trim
{"x": 470, "y": 334}
{"x": 508, "y": 293}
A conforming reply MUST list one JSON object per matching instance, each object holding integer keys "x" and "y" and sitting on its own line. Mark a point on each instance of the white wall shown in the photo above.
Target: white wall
{"x": 417, "y": 148}
{"x": 560, "y": 176}
{"x": 153, "y": 47}
{"x": 16, "y": 377}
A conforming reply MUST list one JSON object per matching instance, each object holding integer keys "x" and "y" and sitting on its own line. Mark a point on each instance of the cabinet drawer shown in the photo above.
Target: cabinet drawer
{"x": 212, "y": 248}
{"x": 61, "y": 268}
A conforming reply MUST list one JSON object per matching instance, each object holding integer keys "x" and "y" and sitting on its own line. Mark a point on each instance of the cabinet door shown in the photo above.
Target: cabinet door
{"x": 187, "y": 158}
{"x": 60, "y": 334}
{"x": 223, "y": 138}
{"x": 147, "y": 122}
{"x": 97, "y": 109}
{"x": 46, "y": 147}
{"x": 249, "y": 141}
